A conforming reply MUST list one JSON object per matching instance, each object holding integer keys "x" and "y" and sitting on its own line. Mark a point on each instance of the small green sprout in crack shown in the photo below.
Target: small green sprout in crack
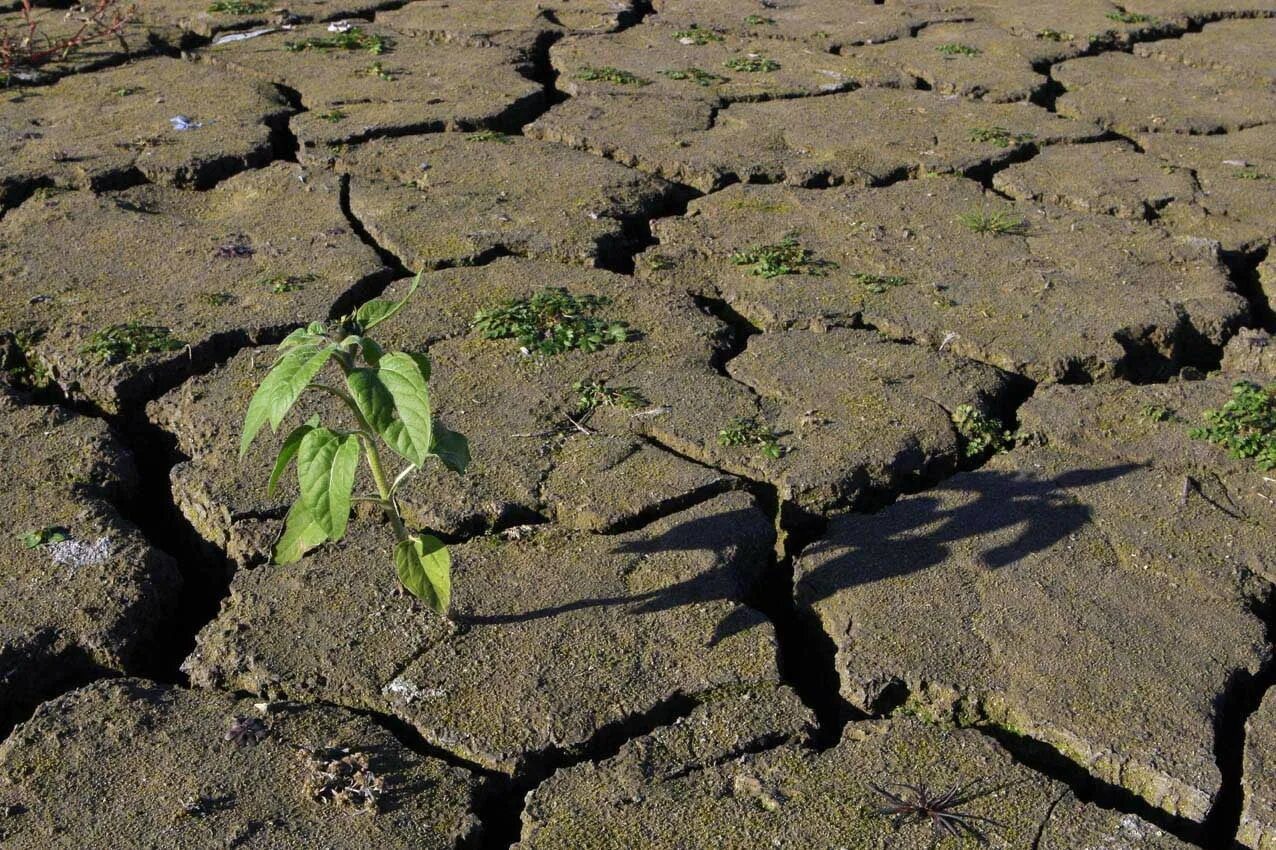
{"x": 995, "y": 222}
{"x": 955, "y": 49}
{"x": 281, "y": 284}
{"x": 1245, "y": 426}
{"x": 1251, "y": 174}
{"x": 386, "y": 395}
{"x": 376, "y": 69}
{"x": 218, "y": 299}
{"x": 44, "y": 536}
{"x": 332, "y": 116}
{"x": 751, "y": 64}
{"x": 784, "y": 257}
{"x": 906, "y": 804}
{"x": 608, "y": 74}
{"x": 354, "y": 38}
{"x": 999, "y": 136}
{"x": 552, "y": 321}
{"x": 126, "y": 340}
{"x": 488, "y": 136}
{"x": 879, "y": 283}
{"x": 697, "y": 36}
{"x": 758, "y": 21}
{"x": 125, "y": 91}
{"x": 699, "y": 76}
{"x": 18, "y": 362}
{"x": 1157, "y": 413}
{"x": 1054, "y": 35}
{"x": 658, "y": 262}
{"x": 1124, "y": 17}
{"x": 980, "y": 434}
{"x": 237, "y": 7}
{"x": 591, "y": 395}
{"x": 749, "y": 432}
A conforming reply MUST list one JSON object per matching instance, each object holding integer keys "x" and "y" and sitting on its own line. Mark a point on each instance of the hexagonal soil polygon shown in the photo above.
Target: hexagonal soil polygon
{"x": 1202, "y": 11}
{"x": 1258, "y": 815}
{"x": 118, "y": 763}
{"x": 869, "y": 136}
{"x": 557, "y": 635}
{"x": 190, "y": 22}
{"x": 695, "y": 785}
{"x": 481, "y": 21}
{"x": 1080, "y": 24}
{"x": 449, "y": 199}
{"x": 1059, "y": 592}
{"x": 407, "y": 85}
{"x": 1062, "y": 295}
{"x": 1244, "y": 49}
{"x": 517, "y": 410}
{"x": 92, "y": 602}
{"x": 207, "y": 271}
{"x": 1132, "y": 95}
{"x": 116, "y": 127}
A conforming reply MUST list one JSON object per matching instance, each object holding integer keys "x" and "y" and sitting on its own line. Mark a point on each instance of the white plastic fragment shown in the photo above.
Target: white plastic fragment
{"x": 243, "y": 36}
{"x": 181, "y": 122}
{"x": 340, "y": 26}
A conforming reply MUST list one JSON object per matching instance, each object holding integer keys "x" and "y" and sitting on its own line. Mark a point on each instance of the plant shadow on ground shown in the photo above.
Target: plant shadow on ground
{"x": 1042, "y": 509}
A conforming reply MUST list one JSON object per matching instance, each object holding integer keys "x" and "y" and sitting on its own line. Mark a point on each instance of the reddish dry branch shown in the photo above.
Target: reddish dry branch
{"x": 27, "y": 46}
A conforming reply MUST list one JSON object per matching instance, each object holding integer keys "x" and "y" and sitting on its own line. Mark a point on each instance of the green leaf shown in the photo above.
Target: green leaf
{"x": 451, "y": 448}
{"x": 411, "y": 435}
{"x": 49, "y": 534}
{"x": 372, "y": 398}
{"x": 301, "y": 336}
{"x": 425, "y": 568}
{"x": 378, "y": 310}
{"x": 301, "y": 534}
{"x": 326, "y": 464}
{"x": 281, "y": 389}
{"x": 288, "y": 451}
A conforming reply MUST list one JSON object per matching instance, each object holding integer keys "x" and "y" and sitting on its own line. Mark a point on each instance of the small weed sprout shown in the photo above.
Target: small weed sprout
{"x": 25, "y": 46}
{"x": 697, "y": 36}
{"x": 751, "y": 64}
{"x": 699, "y": 76}
{"x": 218, "y": 299}
{"x": 878, "y": 283}
{"x": 354, "y": 38}
{"x": 552, "y": 321}
{"x": 1245, "y": 426}
{"x": 784, "y": 257}
{"x": 999, "y": 136}
{"x": 44, "y": 536}
{"x": 749, "y": 432}
{"x": 124, "y": 341}
{"x": 332, "y": 116}
{"x": 995, "y": 223}
{"x": 246, "y": 731}
{"x": 237, "y": 7}
{"x": 608, "y": 74}
{"x": 1054, "y": 35}
{"x": 659, "y": 262}
{"x": 915, "y": 804}
{"x": 281, "y": 284}
{"x": 386, "y": 395}
{"x": 1251, "y": 174}
{"x": 488, "y": 136}
{"x": 954, "y": 49}
{"x": 980, "y": 434}
{"x": 1157, "y": 413}
{"x": 591, "y": 395}
{"x": 1124, "y": 17}
{"x": 342, "y": 777}
{"x": 758, "y": 21}
{"x": 376, "y": 69}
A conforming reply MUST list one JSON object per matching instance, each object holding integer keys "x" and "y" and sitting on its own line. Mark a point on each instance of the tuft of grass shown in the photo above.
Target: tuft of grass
{"x": 995, "y": 222}
{"x": 751, "y": 64}
{"x": 354, "y": 38}
{"x": 237, "y": 7}
{"x": 376, "y": 69}
{"x": 758, "y": 21}
{"x": 697, "y": 36}
{"x": 124, "y": 341}
{"x": 332, "y": 116}
{"x": 488, "y": 136}
{"x": 1245, "y": 426}
{"x": 1251, "y": 174}
{"x": 283, "y": 283}
{"x": 980, "y": 434}
{"x": 1054, "y": 35}
{"x": 878, "y": 283}
{"x": 748, "y": 432}
{"x": 608, "y": 74}
{"x": 999, "y": 136}
{"x": 699, "y": 76}
{"x": 591, "y": 395}
{"x": 780, "y": 258}
{"x": 1124, "y": 17}
{"x": 552, "y": 321}
{"x": 1157, "y": 413}
{"x": 952, "y": 48}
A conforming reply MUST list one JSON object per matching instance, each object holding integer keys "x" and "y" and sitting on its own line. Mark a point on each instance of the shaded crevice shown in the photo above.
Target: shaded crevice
{"x": 1243, "y": 270}
{"x": 395, "y": 264}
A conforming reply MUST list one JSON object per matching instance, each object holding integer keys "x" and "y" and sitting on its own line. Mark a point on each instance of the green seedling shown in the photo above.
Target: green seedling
{"x": 1245, "y": 426}
{"x": 488, "y": 136}
{"x": 999, "y": 136}
{"x": 283, "y": 283}
{"x": 332, "y": 116}
{"x": 218, "y": 299}
{"x": 993, "y": 222}
{"x": 352, "y": 39}
{"x": 1124, "y": 17}
{"x": 954, "y": 49}
{"x": 387, "y": 397}
{"x": 18, "y": 362}
{"x": 591, "y": 395}
{"x": 127, "y": 340}
{"x": 659, "y": 262}
{"x": 758, "y": 21}
{"x": 608, "y": 74}
{"x": 125, "y": 91}
{"x": 237, "y": 7}
{"x": 784, "y": 257}
{"x": 699, "y": 76}
{"x": 751, "y": 64}
{"x": 1251, "y": 174}
{"x": 44, "y": 536}
{"x": 878, "y": 283}
{"x": 552, "y": 321}
{"x": 1157, "y": 413}
{"x": 1054, "y": 35}
{"x": 376, "y": 69}
{"x": 980, "y": 434}
{"x": 748, "y": 432}
{"x": 697, "y": 36}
